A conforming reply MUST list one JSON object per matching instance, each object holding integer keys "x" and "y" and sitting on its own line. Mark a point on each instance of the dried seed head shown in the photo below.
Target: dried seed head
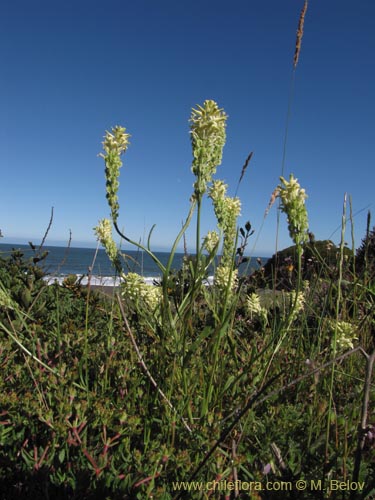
{"x": 274, "y": 195}
{"x": 299, "y": 35}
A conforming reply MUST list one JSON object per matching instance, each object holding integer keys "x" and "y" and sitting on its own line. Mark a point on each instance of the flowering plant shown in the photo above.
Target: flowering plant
{"x": 293, "y": 205}
{"x": 114, "y": 145}
{"x": 208, "y": 136}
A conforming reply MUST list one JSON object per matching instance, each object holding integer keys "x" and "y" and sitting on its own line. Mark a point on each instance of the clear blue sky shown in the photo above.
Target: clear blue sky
{"x": 72, "y": 69}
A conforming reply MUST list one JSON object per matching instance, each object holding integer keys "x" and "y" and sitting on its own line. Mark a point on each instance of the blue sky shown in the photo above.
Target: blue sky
{"x": 72, "y": 69}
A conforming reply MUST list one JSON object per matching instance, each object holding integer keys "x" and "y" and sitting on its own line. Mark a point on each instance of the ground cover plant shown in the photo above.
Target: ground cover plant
{"x": 182, "y": 389}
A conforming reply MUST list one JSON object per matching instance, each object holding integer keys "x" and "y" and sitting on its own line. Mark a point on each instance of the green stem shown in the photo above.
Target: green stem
{"x": 170, "y": 260}
{"x": 198, "y": 233}
{"x": 286, "y": 324}
{"x": 198, "y": 249}
{"x": 178, "y": 238}
{"x": 141, "y": 247}
{"x": 299, "y": 274}
{"x": 338, "y": 301}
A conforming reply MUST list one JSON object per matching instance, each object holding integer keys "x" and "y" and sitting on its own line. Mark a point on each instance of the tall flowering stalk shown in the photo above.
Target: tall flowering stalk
{"x": 227, "y": 210}
{"x": 293, "y": 205}
{"x": 208, "y": 136}
{"x": 115, "y": 144}
{"x": 208, "y": 123}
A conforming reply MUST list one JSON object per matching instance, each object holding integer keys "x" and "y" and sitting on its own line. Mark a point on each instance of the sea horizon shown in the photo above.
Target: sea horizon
{"x": 94, "y": 264}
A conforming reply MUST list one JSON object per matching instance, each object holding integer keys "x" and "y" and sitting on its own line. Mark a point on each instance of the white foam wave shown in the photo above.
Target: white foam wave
{"x": 96, "y": 280}
{"x": 109, "y": 280}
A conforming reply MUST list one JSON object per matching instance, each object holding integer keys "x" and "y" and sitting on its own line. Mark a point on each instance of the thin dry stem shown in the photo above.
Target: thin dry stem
{"x": 277, "y": 454}
{"x": 47, "y": 231}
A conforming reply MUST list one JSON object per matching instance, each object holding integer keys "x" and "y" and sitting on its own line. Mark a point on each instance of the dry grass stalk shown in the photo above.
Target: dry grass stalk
{"x": 299, "y": 35}
{"x": 244, "y": 168}
{"x": 274, "y": 195}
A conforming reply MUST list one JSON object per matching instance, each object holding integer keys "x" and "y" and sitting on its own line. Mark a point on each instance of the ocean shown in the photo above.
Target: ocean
{"x": 61, "y": 262}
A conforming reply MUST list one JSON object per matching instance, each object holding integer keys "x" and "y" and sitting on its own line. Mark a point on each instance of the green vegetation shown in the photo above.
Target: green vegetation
{"x": 262, "y": 379}
{"x": 267, "y": 378}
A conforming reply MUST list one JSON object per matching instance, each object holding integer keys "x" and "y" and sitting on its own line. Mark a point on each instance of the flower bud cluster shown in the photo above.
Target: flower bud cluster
{"x": 345, "y": 333}
{"x": 208, "y": 136}
{"x": 103, "y": 232}
{"x": 254, "y": 307}
{"x": 211, "y": 241}
{"x": 298, "y": 301}
{"x": 135, "y": 289}
{"x": 226, "y": 210}
{"x": 114, "y": 145}
{"x": 226, "y": 277}
{"x": 293, "y": 205}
